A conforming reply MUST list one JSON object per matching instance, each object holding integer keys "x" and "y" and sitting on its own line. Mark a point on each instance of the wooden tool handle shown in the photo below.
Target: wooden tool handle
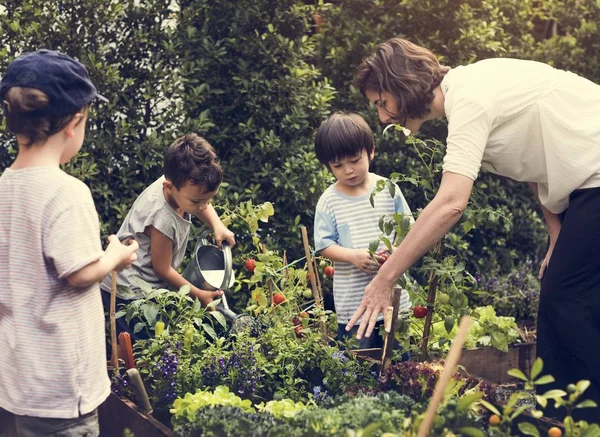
{"x": 451, "y": 363}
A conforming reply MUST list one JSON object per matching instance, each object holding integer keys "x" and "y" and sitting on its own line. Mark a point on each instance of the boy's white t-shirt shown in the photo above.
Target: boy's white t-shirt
{"x": 353, "y": 223}
{"x": 527, "y": 121}
{"x": 52, "y": 346}
{"x": 150, "y": 209}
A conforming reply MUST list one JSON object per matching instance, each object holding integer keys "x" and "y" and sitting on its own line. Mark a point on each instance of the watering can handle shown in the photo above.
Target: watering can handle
{"x": 228, "y": 265}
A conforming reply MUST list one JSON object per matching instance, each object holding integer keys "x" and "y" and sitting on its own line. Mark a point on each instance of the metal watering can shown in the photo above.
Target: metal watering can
{"x": 211, "y": 269}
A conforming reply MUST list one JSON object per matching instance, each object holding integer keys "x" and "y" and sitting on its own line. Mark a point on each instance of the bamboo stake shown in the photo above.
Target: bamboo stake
{"x": 113, "y": 325}
{"x": 451, "y": 363}
{"x": 285, "y": 263}
{"x": 390, "y": 323}
{"x": 311, "y": 271}
{"x": 317, "y": 293}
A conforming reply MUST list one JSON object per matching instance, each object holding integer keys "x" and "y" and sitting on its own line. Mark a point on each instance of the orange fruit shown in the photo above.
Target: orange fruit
{"x": 554, "y": 432}
{"x": 494, "y": 420}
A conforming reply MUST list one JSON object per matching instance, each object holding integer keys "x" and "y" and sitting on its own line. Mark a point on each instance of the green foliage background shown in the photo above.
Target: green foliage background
{"x": 255, "y": 79}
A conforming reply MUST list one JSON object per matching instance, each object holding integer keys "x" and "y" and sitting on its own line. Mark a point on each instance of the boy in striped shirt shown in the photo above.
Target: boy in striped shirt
{"x": 345, "y": 221}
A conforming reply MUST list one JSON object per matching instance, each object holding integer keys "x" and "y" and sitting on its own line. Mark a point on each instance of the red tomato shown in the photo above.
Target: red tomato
{"x": 384, "y": 256}
{"x": 250, "y": 265}
{"x": 419, "y": 311}
{"x": 299, "y": 331}
{"x": 278, "y": 298}
{"x": 329, "y": 271}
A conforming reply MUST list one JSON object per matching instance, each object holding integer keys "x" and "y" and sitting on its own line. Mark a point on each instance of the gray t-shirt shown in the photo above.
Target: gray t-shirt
{"x": 150, "y": 209}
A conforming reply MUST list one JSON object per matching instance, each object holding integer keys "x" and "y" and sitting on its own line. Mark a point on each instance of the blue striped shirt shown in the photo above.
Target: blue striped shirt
{"x": 352, "y": 222}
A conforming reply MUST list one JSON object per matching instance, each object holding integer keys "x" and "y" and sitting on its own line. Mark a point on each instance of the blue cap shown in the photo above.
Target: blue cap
{"x": 64, "y": 80}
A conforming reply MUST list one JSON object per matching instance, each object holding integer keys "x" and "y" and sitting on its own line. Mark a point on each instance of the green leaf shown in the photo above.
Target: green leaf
{"x": 588, "y": 403}
{"x": 591, "y": 431}
{"x": 542, "y": 401}
{"x": 554, "y": 394}
{"x": 583, "y": 385}
{"x": 546, "y": 379}
{"x": 209, "y": 330}
{"x": 518, "y": 411}
{"x": 528, "y": 429}
{"x": 150, "y": 310}
{"x": 491, "y": 407}
{"x": 392, "y": 188}
{"x": 516, "y": 373}
{"x": 449, "y": 323}
{"x": 467, "y": 400}
{"x": 471, "y": 431}
{"x": 537, "y": 367}
{"x": 220, "y": 318}
{"x": 138, "y": 327}
{"x": 214, "y": 303}
{"x": 373, "y": 246}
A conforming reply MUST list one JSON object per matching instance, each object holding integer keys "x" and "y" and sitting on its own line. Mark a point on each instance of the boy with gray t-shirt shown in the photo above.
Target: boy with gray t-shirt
{"x": 160, "y": 221}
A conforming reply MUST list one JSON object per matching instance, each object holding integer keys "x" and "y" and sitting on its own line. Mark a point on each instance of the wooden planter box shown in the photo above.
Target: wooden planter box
{"x": 116, "y": 415}
{"x": 491, "y": 364}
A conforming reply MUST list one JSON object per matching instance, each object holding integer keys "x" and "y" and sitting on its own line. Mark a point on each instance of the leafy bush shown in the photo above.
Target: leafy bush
{"x": 245, "y": 67}
{"x": 515, "y": 294}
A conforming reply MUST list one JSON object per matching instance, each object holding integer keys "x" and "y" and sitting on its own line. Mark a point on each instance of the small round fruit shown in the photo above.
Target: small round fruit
{"x": 494, "y": 420}
{"x": 443, "y": 298}
{"x": 571, "y": 388}
{"x": 323, "y": 264}
{"x": 299, "y": 331}
{"x": 296, "y": 320}
{"x": 307, "y": 293}
{"x": 419, "y": 311}
{"x": 383, "y": 256}
{"x": 250, "y": 265}
{"x": 554, "y": 432}
{"x": 304, "y": 315}
{"x": 278, "y": 298}
{"x": 329, "y": 271}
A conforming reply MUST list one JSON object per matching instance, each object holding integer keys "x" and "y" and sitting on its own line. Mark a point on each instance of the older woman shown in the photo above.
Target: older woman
{"x": 520, "y": 119}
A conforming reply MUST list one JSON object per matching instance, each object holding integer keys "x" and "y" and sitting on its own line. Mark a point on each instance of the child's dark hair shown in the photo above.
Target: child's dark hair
{"x": 20, "y": 106}
{"x": 343, "y": 135}
{"x": 192, "y": 159}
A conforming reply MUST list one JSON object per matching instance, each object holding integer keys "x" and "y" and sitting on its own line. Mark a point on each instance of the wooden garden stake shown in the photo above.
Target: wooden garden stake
{"x": 451, "y": 362}
{"x": 317, "y": 293}
{"x": 390, "y": 322}
{"x": 311, "y": 271}
{"x": 113, "y": 325}
{"x": 285, "y": 263}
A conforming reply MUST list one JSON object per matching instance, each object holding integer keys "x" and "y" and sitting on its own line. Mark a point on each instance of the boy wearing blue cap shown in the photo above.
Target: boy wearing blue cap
{"x": 51, "y": 319}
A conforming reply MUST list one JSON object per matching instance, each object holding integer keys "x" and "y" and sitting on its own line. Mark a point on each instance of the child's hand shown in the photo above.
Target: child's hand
{"x": 362, "y": 260}
{"x": 206, "y": 296}
{"x": 222, "y": 233}
{"x": 123, "y": 254}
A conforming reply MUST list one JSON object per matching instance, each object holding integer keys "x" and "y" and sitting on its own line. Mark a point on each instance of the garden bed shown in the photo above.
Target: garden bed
{"x": 116, "y": 415}
{"x": 492, "y": 364}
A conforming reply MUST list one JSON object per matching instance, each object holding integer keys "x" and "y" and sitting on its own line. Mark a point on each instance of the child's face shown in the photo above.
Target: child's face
{"x": 352, "y": 171}
{"x": 191, "y": 198}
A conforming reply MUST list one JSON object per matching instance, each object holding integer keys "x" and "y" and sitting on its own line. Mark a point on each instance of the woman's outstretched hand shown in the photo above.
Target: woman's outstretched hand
{"x": 374, "y": 302}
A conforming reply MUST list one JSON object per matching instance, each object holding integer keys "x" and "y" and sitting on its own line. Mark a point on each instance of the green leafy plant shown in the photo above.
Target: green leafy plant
{"x": 177, "y": 309}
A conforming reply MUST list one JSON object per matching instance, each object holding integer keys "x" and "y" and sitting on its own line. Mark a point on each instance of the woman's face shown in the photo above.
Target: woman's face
{"x": 387, "y": 108}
